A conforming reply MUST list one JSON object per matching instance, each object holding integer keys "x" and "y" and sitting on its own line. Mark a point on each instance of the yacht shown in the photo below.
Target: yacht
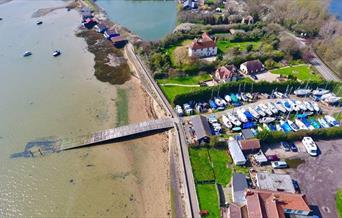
{"x": 226, "y": 122}
{"x": 323, "y": 122}
{"x": 280, "y": 106}
{"x": 27, "y": 53}
{"x": 272, "y": 108}
{"x": 308, "y": 106}
{"x": 300, "y": 124}
{"x": 315, "y": 106}
{"x": 260, "y": 111}
{"x": 288, "y": 106}
{"x": 267, "y": 120}
{"x": 302, "y": 92}
{"x": 293, "y": 126}
{"x": 332, "y": 121}
{"x": 320, "y": 92}
{"x": 233, "y": 119}
{"x": 56, "y": 53}
{"x": 266, "y": 109}
{"x": 254, "y": 113}
{"x": 242, "y": 117}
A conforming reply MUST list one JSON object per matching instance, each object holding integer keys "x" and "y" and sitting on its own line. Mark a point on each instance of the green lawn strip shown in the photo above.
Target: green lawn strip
{"x": 172, "y": 48}
{"x": 121, "y": 108}
{"x": 224, "y": 45}
{"x": 208, "y": 199}
{"x": 339, "y": 202}
{"x": 171, "y": 91}
{"x": 186, "y": 80}
{"x": 220, "y": 160}
{"x": 201, "y": 165}
{"x": 302, "y": 72}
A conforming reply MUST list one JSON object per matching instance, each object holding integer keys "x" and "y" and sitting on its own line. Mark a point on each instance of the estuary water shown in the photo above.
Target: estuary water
{"x": 150, "y": 19}
{"x": 336, "y": 8}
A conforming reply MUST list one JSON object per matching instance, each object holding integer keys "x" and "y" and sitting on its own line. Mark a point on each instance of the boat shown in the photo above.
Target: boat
{"x": 179, "y": 110}
{"x": 315, "y": 106}
{"x": 302, "y": 92}
{"x": 266, "y": 109}
{"x": 226, "y": 122}
{"x": 285, "y": 126}
{"x": 254, "y": 131}
{"x": 244, "y": 97}
{"x": 39, "y": 22}
{"x": 294, "y": 105}
{"x": 314, "y": 123}
{"x": 301, "y": 105}
{"x": 223, "y": 101}
{"x": 233, "y": 119}
{"x": 188, "y": 110}
{"x": 248, "y": 125}
{"x": 278, "y": 127}
{"x": 288, "y": 106}
{"x": 227, "y": 98}
{"x": 323, "y": 122}
{"x": 293, "y": 126}
{"x": 320, "y": 92}
{"x": 234, "y": 98}
{"x": 238, "y": 96}
{"x": 259, "y": 111}
{"x": 212, "y": 119}
{"x": 307, "y": 123}
{"x": 331, "y": 120}
{"x": 267, "y": 120}
{"x": 247, "y": 114}
{"x": 218, "y": 102}
{"x": 278, "y": 94}
{"x": 254, "y": 113}
{"x": 330, "y": 98}
{"x": 280, "y": 107}
{"x": 272, "y": 127}
{"x": 236, "y": 129}
{"x": 242, "y": 117}
{"x": 27, "y": 53}
{"x": 217, "y": 128}
{"x": 212, "y": 105}
{"x": 300, "y": 124}
{"x": 271, "y": 106}
{"x": 264, "y": 125}
{"x": 249, "y": 96}
{"x": 56, "y": 53}
{"x": 308, "y": 106}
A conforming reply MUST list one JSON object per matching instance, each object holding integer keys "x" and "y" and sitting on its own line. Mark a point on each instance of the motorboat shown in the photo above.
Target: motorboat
{"x": 260, "y": 111}
{"x": 271, "y": 106}
{"x": 266, "y": 109}
{"x": 267, "y": 120}
{"x": 56, "y": 53}
{"x": 212, "y": 105}
{"x": 315, "y": 123}
{"x": 249, "y": 96}
{"x": 331, "y": 120}
{"x": 179, "y": 110}
{"x": 226, "y": 122}
{"x": 254, "y": 113}
{"x": 39, "y": 22}
{"x": 235, "y": 121}
{"x": 307, "y": 124}
{"x": 278, "y": 127}
{"x": 188, "y": 110}
{"x": 247, "y": 114}
{"x": 293, "y": 126}
{"x": 301, "y": 105}
{"x": 227, "y": 98}
{"x": 278, "y": 94}
{"x": 320, "y": 92}
{"x": 300, "y": 124}
{"x": 264, "y": 125}
{"x": 242, "y": 117}
{"x": 27, "y": 53}
{"x": 285, "y": 126}
{"x": 308, "y": 106}
{"x": 302, "y": 92}
{"x": 323, "y": 122}
{"x": 280, "y": 107}
{"x": 315, "y": 106}
{"x": 294, "y": 105}
{"x": 288, "y": 106}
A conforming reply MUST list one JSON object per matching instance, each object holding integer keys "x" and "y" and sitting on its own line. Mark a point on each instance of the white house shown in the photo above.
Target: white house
{"x": 204, "y": 47}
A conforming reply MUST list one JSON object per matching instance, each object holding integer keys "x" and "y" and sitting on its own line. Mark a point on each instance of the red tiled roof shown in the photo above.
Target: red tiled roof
{"x": 204, "y": 42}
{"x": 250, "y": 144}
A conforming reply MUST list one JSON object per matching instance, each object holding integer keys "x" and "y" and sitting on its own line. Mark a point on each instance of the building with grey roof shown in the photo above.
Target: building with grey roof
{"x": 239, "y": 185}
{"x": 275, "y": 182}
{"x": 247, "y": 134}
{"x": 201, "y": 127}
{"x": 236, "y": 152}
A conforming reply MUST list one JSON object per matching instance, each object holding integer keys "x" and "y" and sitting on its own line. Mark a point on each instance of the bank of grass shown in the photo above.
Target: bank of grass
{"x": 302, "y": 72}
{"x": 224, "y": 45}
{"x": 121, "y": 107}
{"x": 171, "y": 91}
{"x": 201, "y": 165}
{"x": 339, "y": 202}
{"x": 208, "y": 199}
{"x": 171, "y": 51}
{"x": 186, "y": 80}
{"x": 220, "y": 160}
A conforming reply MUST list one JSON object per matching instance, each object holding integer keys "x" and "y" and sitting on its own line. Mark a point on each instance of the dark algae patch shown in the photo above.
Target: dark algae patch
{"x": 294, "y": 163}
{"x": 110, "y": 65}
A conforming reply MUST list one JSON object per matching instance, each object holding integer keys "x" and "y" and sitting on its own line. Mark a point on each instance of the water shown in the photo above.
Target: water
{"x": 151, "y": 20}
{"x": 336, "y": 8}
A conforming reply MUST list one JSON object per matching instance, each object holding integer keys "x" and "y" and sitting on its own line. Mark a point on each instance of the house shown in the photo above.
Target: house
{"x": 119, "y": 41}
{"x": 100, "y": 28}
{"x": 201, "y": 128}
{"x": 247, "y": 20}
{"x": 275, "y": 182}
{"x": 264, "y": 204}
{"x": 239, "y": 185}
{"x": 250, "y": 145}
{"x": 236, "y": 152}
{"x": 109, "y": 34}
{"x": 251, "y": 67}
{"x": 236, "y": 211}
{"x": 203, "y": 47}
{"x": 225, "y": 73}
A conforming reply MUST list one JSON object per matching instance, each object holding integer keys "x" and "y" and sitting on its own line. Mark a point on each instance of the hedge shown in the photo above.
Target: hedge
{"x": 205, "y": 94}
{"x": 317, "y": 134}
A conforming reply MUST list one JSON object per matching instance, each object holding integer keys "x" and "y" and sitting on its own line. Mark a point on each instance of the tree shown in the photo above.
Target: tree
{"x": 291, "y": 48}
{"x": 249, "y": 47}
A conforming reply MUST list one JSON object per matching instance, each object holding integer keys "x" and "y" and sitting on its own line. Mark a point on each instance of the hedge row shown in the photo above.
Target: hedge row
{"x": 316, "y": 134}
{"x": 249, "y": 86}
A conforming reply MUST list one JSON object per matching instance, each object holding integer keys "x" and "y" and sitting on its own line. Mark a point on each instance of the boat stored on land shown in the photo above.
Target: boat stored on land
{"x": 226, "y": 122}
{"x": 288, "y": 106}
{"x": 227, "y": 98}
{"x": 307, "y": 123}
{"x": 308, "y": 106}
{"x": 331, "y": 120}
{"x": 267, "y": 120}
{"x": 300, "y": 124}
{"x": 293, "y": 126}
{"x": 280, "y": 107}
{"x": 302, "y": 92}
{"x": 266, "y": 109}
{"x": 314, "y": 123}
{"x": 271, "y": 106}
{"x": 323, "y": 122}
{"x": 233, "y": 119}
{"x": 254, "y": 113}
{"x": 285, "y": 126}
{"x": 320, "y": 92}
{"x": 242, "y": 117}
{"x": 260, "y": 111}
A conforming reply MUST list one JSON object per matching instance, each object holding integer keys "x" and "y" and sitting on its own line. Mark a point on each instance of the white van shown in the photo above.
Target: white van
{"x": 279, "y": 164}
{"x": 310, "y": 146}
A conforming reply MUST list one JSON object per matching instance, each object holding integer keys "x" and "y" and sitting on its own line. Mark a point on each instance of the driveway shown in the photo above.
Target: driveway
{"x": 320, "y": 177}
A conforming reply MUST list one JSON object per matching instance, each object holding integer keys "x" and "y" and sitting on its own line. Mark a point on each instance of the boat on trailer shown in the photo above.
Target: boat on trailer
{"x": 302, "y": 92}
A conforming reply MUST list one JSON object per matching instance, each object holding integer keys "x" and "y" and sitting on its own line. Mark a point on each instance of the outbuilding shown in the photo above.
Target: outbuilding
{"x": 236, "y": 153}
{"x": 275, "y": 182}
{"x": 201, "y": 128}
{"x": 239, "y": 185}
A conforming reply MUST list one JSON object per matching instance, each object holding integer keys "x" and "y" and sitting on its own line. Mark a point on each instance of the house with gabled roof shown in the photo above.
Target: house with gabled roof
{"x": 225, "y": 73}
{"x": 203, "y": 47}
{"x": 252, "y": 67}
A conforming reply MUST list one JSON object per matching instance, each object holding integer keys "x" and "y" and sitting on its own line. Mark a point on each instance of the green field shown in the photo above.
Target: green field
{"x": 121, "y": 108}
{"x": 170, "y": 50}
{"x": 201, "y": 165}
{"x": 208, "y": 199}
{"x": 302, "y": 72}
{"x": 171, "y": 91}
{"x": 186, "y": 80}
{"x": 224, "y": 46}
{"x": 220, "y": 160}
{"x": 339, "y": 202}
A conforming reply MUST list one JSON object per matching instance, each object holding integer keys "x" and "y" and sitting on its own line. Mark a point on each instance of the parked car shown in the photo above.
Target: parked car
{"x": 285, "y": 146}
{"x": 293, "y": 147}
{"x": 272, "y": 157}
{"x": 279, "y": 164}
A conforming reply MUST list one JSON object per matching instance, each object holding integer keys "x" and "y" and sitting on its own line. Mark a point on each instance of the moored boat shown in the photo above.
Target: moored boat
{"x": 27, "y": 53}
{"x": 56, "y": 53}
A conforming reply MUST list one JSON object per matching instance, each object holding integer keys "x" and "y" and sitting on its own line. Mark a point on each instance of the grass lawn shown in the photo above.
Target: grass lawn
{"x": 171, "y": 91}
{"x": 186, "y": 80}
{"x": 200, "y": 163}
{"x": 224, "y": 45}
{"x": 220, "y": 161}
{"x": 121, "y": 108}
{"x": 170, "y": 50}
{"x": 302, "y": 72}
{"x": 208, "y": 199}
{"x": 339, "y": 202}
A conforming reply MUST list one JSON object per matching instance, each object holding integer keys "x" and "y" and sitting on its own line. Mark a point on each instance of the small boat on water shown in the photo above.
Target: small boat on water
{"x": 315, "y": 123}
{"x": 266, "y": 109}
{"x": 56, "y": 53}
{"x": 323, "y": 122}
{"x": 293, "y": 126}
{"x": 267, "y": 120}
{"x": 260, "y": 111}
{"x": 302, "y": 92}
{"x": 300, "y": 124}
{"x": 271, "y": 106}
{"x": 331, "y": 120}
{"x": 226, "y": 122}
{"x": 254, "y": 113}
{"x": 227, "y": 98}
{"x": 320, "y": 92}
{"x": 233, "y": 119}
{"x": 308, "y": 106}
{"x": 280, "y": 107}
{"x": 242, "y": 117}
{"x": 27, "y": 53}
{"x": 39, "y": 22}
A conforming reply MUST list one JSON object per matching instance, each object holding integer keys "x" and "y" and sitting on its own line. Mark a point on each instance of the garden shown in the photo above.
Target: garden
{"x": 302, "y": 72}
